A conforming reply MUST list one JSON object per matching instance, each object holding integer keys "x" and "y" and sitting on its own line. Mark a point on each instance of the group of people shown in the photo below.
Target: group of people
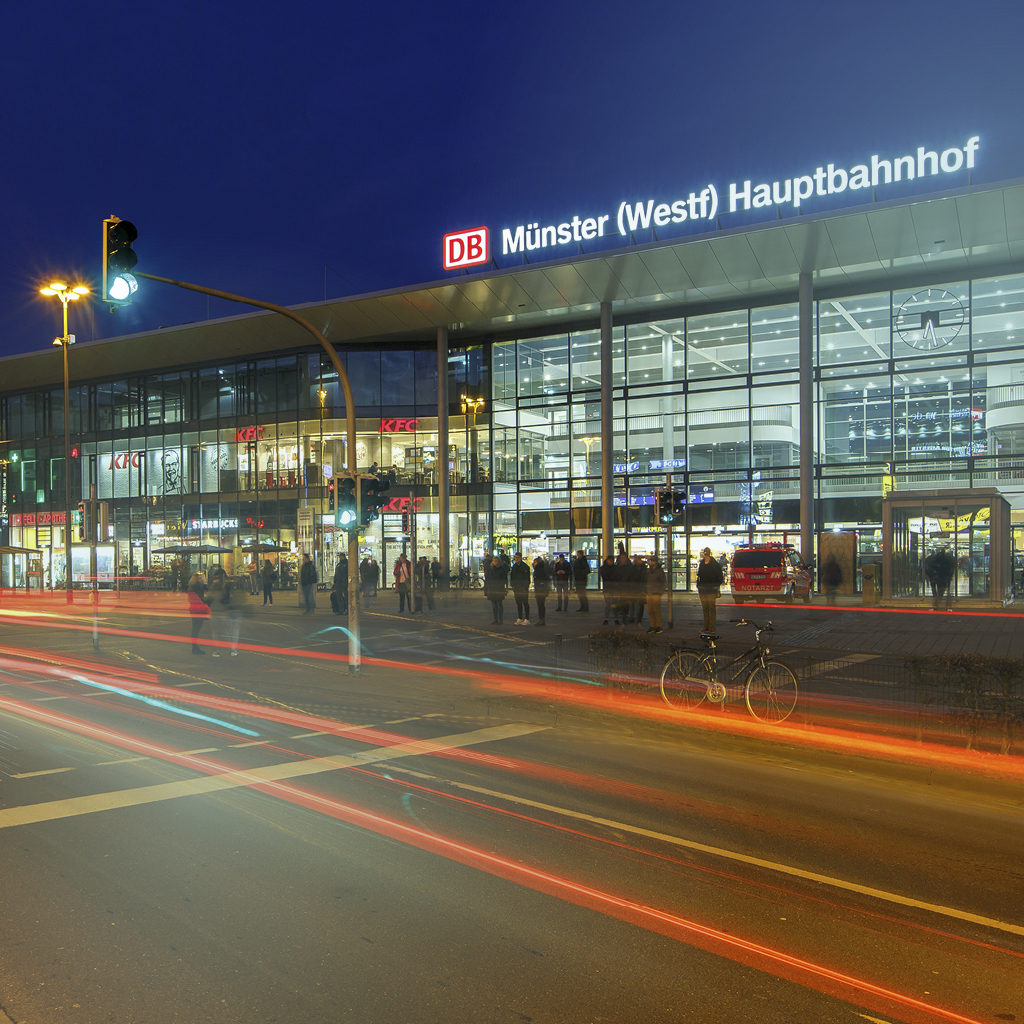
{"x": 632, "y": 586}
{"x": 416, "y": 583}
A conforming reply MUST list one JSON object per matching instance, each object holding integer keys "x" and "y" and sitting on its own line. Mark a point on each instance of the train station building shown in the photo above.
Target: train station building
{"x": 784, "y": 376}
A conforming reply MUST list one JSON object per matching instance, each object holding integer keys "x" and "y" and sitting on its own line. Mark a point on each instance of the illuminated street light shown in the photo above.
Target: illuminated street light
{"x": 66, "y": 295}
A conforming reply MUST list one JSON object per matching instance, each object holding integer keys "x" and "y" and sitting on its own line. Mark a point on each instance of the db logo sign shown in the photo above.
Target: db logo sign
{"x": 466, "y": 248}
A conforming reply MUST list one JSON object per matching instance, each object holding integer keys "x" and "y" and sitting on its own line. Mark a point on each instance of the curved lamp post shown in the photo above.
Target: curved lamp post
{"x": 66, "y": 295}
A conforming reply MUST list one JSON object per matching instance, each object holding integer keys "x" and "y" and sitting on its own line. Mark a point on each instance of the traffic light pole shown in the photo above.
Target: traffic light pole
{"x": 354, "y": 644}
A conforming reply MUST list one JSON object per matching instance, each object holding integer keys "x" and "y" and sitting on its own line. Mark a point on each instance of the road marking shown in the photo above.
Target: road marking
{"x": 304, "y": 735}
{"x": 785, "y": 869}
{"x": 198, "y": 750}
{"x": 123, "y": 760}
{"x": 55, "y": 809}
{"x": 251, "y": 743}
{"x": 399, "y": 721}
{"x": 877, "y": 1020}
{"x": 45, "y": 771}
{"x": 39, "y": 700}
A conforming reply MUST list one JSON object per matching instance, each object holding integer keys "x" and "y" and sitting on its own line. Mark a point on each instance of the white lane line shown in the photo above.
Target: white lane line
{"x": 198, "y": 750}
{"x": 45, "y": 771}
{"x": 399, "y": 721}
{"x": 202, "y": 682}
{"x": 251, "y": 743}
{"x": 72, "y": 806}
{"x": 122, "y": 760}
{"x": 39, "y": 700}
{"x": 304, "y": 735}
{"x": 785, "y": 869}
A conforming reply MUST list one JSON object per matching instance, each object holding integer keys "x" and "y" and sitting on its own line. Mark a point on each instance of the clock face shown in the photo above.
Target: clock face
{"x": 930, "y": 319}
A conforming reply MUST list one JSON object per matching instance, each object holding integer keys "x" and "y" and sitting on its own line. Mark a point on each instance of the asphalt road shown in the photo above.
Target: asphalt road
{"x": 390, "y": 848}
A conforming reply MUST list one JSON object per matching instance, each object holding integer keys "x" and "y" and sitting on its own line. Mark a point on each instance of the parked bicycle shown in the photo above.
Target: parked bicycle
{"x": 691, "y": 677}
{"x": 465, "y": 580}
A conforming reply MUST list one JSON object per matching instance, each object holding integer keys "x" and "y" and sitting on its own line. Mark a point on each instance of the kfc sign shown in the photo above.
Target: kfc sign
{"x": 466, "y": 248}
{"x": 399, "y": 426}
{"x": 403, "y": 505}
{"x": 125, "y": 460}
{"x": 244, "y": 434}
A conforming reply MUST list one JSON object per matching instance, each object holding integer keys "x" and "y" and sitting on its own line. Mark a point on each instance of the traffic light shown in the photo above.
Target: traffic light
{"x": 672, "y": 508}
{"x": 118, "y": 259}
{"x": 372, "y": 491}
{"x": 82, "y": 530}
{"x": 665, "y": 507}
{"x": 345, "y": 513}
{"x": 330, "y": 495}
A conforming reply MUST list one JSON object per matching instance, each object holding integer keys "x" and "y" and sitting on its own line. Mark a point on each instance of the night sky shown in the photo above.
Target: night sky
{"x": 256, "y": 145}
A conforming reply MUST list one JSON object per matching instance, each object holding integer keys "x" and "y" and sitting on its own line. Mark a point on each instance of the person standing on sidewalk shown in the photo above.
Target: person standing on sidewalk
{"x": 341, "y": 584}
{"x": 307, "y": 581}
{"x": 541, "y": 587}
{"x": 225, "y": 615}
{"x": 655, "y": 587}
{"x": 580, "y": 572}
{"x": 562, "y": 573}
{"x": 519, "y": 579}
{"x": 424, "y": 585}
{"x": 709, "y": 586}
{"x": 198, "y": 609}
{"x": 495, "y": 588}
{"x": 938, "y": 570}
{"x": 267, "y": 575}
{"x": 832, "y": 577}
{"x": 403, "y": 580}
{"x": 608, "y": 581}
{"x": 638, "y": 597}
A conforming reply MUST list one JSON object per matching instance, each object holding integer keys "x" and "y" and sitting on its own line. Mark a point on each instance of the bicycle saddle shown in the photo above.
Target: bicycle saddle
{"x": 709, "y": 636}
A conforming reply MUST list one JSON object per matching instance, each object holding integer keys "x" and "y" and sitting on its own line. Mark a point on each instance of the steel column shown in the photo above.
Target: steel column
{"x": 607, "y": 436}
{"x": 443, "y": 542}
{"x": 806, "y": 417}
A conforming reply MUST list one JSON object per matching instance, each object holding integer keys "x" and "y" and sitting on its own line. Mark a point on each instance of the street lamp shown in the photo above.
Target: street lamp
{"x": 66, "y": 295}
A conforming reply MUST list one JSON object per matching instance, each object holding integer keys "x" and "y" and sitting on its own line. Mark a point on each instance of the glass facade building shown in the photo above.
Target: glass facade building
{"x": 915, "y": 387}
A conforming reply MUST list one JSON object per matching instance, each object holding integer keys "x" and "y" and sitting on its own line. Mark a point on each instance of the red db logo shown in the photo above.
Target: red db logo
{"x": 466, "y": 248}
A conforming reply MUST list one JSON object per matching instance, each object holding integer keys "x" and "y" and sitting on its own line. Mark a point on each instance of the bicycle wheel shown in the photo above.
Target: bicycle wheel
{"x": 684, "y": 681}
{"x": 771, "y": 692}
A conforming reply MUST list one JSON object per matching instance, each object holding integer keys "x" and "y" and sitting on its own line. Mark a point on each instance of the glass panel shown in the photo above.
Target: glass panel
{"x": 718, "y": 430}
{"x": 997, "y": 306}
{"x": 775, "y": 426}
{"x": 585, "y": 352}
{"x": 932, "y": 416}
{"x": 543, "y": 365}
{"x": 504, "y": 361}
{"x": 656, "y": 352}
{"x": 364, "y": 376}
{"x": 774, "y": 338}
{"x": 716, "y": 345}
{"x": 398, "y": 378}
{"x": 853, "y": 330}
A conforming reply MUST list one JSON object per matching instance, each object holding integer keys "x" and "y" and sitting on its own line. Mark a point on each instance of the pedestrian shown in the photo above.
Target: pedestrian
{"x": 561, "y": 573}
{"x": 198, "y": 609}
{"x": 424, "y": 585}
{"x": 403, "y": 582}
{"x": 495, "y": 588}
{"x": 177, "y": 574}
{"x": 365, "y": 579}
{"x": 253, "y": 571}
{"x": 541, "y": 587}
{"x": 519, "y": 580}
{"x": 307, "y": 581}
{"x": 638, "y": 596}
{"x": 224, "y": 612}
{"x": 580, "y": 572}
{"x": 608, "y": 580}
{"x": 938, "y": 570}
{"x": 623, "y": 586}
{"x": 341, "y": 585}
{"x": 435, "y": 574}
{"x": 832, "y": 577}
{"x": 709, "y": 586}
{"x": 655, "y": 587}
{"x": 374, "y": 579}
{"x": 268, "y": 575}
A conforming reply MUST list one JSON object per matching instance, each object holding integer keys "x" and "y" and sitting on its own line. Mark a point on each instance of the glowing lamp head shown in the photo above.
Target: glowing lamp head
{"x": 47, "y": 291}
{"x": 80, "y": 290}
{"x": 122, "y": 286}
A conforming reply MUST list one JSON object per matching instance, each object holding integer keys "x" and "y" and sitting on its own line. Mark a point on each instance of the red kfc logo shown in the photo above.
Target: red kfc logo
{"x": 399, "y": 426}
{"x": 245, "y": 434}
{"x": 403, "y": 505}
{"x": 466, "y": 248}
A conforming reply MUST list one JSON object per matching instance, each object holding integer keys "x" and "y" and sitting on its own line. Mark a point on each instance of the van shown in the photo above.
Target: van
{"x": 770, "y": 570}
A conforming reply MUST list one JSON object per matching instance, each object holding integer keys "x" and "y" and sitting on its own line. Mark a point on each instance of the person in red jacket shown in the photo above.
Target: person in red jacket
{"x": 198, "y": 609}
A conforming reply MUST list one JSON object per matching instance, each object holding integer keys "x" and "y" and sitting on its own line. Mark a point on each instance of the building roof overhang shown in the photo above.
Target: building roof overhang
{"x": 944, "y": 236}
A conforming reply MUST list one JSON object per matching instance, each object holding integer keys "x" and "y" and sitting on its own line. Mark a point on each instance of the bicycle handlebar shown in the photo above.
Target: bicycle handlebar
{"x": 767, "y": 627}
